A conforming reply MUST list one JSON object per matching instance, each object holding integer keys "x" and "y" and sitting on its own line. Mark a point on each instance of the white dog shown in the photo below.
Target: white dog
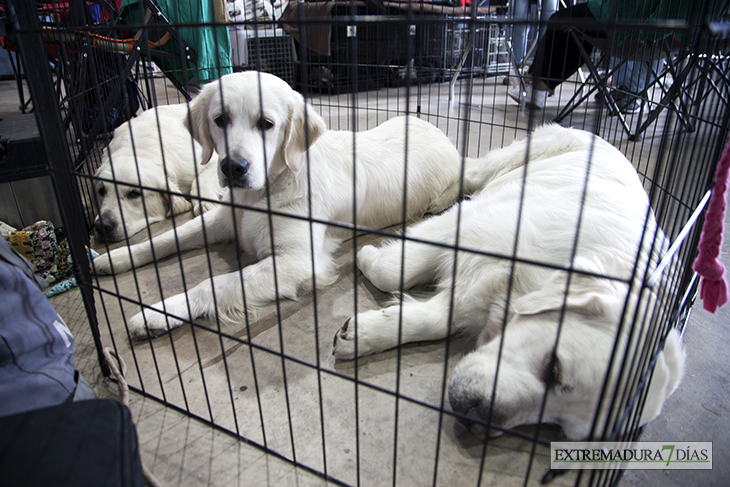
{"x": 573, "y": 181}
{"x": 275, "y": 150}
{"x": 146, "y": 172}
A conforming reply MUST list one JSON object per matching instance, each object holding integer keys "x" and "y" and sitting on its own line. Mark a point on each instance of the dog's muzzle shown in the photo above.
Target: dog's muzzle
{"x": 105, "y": 228}
{"x": 474, "y": 412}
{"x": 235, "y": 171}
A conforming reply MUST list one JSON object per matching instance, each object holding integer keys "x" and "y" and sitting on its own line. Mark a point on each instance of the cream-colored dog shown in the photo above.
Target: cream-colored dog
{"x": 150, "y": 167}
{"x": 276, "y": 152}
{"x": 575, "y": 220}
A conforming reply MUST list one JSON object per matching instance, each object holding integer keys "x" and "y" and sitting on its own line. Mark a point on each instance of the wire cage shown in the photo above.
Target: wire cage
{"x": 266, "y": 373}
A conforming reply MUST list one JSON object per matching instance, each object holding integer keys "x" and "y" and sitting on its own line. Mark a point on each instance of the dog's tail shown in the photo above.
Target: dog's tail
{"x": 547, "y": 141}
{"x": 474, "y": 178}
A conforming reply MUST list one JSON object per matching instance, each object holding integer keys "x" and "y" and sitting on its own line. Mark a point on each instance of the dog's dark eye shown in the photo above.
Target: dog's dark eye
{"x": 221, "y": 120}
{"x": 102, "y": 190}
{"x": 266, "y": 124}
{"x": 552, "y": 371}
{"x": 134, "y": 194}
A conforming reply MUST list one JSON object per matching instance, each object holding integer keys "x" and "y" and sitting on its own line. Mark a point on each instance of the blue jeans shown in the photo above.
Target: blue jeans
{"x": 634, "y": 76}
{"x": 519, "y": 12}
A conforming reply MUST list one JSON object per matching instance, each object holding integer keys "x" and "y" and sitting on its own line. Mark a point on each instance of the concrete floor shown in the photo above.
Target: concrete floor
{"x": 318, "y": 417}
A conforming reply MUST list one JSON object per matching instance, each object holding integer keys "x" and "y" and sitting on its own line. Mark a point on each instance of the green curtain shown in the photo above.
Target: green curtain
{"x": 210, "y": 42}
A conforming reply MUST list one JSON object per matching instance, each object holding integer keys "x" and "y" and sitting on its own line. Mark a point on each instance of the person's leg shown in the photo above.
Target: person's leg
{"x": 558, "y": 56}
{"x": 623, "y": 81}
{"x": 642, "y": 76}
{"x": 630, "y": 76}
{"x": 519, "y": 30}
{"x": 547, "y": 9}
{"x": 631, "y": 80}
{"x": 518, "y": 39}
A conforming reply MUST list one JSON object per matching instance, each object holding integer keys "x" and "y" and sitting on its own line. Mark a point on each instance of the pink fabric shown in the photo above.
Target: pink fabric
{"x": 714, "y": 291}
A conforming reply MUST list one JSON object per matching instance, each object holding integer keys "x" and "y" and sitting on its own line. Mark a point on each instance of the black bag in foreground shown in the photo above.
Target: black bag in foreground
{"x": 76, "y": 443}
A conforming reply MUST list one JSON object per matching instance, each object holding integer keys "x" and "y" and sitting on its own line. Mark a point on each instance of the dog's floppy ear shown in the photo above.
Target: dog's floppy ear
{"x": 197, "y": 124}
{"x": 305, "y": 126}
{"x": 588, "y": 295}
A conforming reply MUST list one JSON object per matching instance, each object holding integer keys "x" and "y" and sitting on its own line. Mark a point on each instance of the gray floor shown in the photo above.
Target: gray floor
{"x": 184, "y": 451}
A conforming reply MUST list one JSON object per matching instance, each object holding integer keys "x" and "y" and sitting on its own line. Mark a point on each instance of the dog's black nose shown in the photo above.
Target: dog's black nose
{"x": 104, "y": 227}
{"x": 235, "y": 170}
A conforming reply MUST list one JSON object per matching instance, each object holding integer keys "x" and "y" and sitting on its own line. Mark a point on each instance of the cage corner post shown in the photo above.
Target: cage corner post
{"x": 27, "y": 27}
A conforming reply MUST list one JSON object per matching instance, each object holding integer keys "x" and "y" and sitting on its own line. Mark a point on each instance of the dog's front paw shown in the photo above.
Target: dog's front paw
{"x": 369, "y": 332}
{"x": 102, "y": 264}
{"x": 113, "y": 261}
{"x": 351, "y": 340}
{"x": 151, "y": 323}
{"x": 343, "y": 345}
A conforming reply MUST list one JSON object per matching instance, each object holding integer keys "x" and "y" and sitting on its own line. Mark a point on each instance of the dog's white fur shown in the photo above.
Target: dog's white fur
{"x": 157, "y": 166}
{"x": 287, "y": 154}
{"x": 541, "y": 202}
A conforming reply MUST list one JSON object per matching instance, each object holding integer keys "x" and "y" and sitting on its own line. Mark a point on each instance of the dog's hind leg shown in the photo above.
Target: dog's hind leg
{"x": 382, "y": 266}
{"x": 419, "y": 261}
{"x": 445, "y": 200}
{"x": 377, "y": 330}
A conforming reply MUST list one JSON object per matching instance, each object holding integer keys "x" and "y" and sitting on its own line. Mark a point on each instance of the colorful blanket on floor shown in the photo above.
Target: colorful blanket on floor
{"x": 45, "y": 248}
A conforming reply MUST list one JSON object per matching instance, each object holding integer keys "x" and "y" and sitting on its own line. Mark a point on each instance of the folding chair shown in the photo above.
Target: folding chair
{"x": 633, "y": 50}
{"x": 688, "y": 63}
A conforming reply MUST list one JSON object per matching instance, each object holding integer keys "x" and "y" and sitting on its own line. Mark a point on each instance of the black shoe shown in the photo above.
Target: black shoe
{"x": 625, "y": 102}
{"x": 628, "y": 104}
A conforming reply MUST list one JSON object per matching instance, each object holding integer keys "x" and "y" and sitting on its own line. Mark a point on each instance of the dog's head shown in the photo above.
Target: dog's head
{"x": 258, "y": 125}
{"x": 504, "y": 381}
{"x": 132, "y": 195}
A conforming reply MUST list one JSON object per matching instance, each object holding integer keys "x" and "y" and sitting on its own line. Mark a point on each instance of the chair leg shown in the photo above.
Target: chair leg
{"x": 600, "y": 85}
{"x": 457, "y": 72}
{"x": 670, "y": 98}
{"x": 708, "y": 85}
{"x": 578, "y": 97}
{"x": 520, "y": 67}
{"x": 24, "y": 104}
{"x": 517, "y": 68}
